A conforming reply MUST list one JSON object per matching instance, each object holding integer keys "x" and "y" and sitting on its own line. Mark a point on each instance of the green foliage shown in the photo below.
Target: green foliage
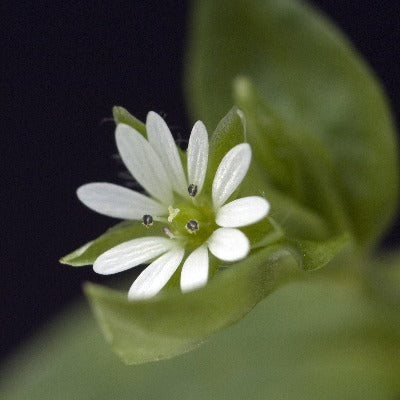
{"x": 312, "y": 340}
{"x": 174, "y": 323}
{"x": 292, "y": 162}
{"x": 308, "y": 75}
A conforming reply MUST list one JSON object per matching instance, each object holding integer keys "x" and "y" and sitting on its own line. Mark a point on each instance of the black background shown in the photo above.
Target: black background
{"x": 64, "y": 65}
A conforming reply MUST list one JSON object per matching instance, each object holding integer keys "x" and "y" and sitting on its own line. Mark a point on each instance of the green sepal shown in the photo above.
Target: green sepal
{"x": 122, "y": 116}
{"x": 263, "y": 233}
{"x": 312, "y": 255}
{"x": 229, "y": 132}
{"x": 122, "y": 232}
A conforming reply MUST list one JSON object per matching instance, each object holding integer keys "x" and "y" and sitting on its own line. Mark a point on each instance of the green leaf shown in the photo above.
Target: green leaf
{"x": 174, "y": 323}
{"x": 122, "y": 116}
{"x": 293, "y": 162}
{"x": 312, "y": 340}
{"x": 310, "y": 76}
{"x": 122, "y": 232}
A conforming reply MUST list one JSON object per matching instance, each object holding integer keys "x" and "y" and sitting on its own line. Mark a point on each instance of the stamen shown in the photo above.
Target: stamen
{"x": 168, "y": 232}
{"x": 192, "y": 226}
{"x": 173, "y": 212}
{"x": 192, "y": 189}
{"x": 147, "y": 220}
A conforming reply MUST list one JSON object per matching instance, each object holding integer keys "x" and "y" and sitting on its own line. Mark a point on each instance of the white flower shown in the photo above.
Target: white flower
{"x": 195, "y": 222}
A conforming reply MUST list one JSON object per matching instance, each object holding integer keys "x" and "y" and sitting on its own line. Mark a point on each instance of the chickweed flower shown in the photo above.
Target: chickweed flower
{"x": 195, "y": 220}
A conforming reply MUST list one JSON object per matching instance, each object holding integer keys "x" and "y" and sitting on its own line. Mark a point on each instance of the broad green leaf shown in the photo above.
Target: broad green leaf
{"x": 312, "y": 340}
{"x": 173, "y": 323}
{"x": 293, "y": 161}
{"x": 122, "y": 232}
{"x": 309, "y": 74}
{"x": 122, "y": 116}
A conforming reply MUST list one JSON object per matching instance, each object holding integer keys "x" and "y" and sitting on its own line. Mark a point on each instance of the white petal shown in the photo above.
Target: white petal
{"x": 195, "y": 270}
{"x": 229, "y": 244}
{"x": 156, "y": 275}
{"x": 230, "y": 173}
{"x": 118, "y": 202}
{"x": 197, "y": 155}
{"x": 132, "y": 253}
{"x": 242, "y": 212}
{"x": 143, "y": 163}
{"x": 163, "y": 143}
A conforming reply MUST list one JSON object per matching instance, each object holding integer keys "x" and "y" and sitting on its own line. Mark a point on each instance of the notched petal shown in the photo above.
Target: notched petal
{"x": 242, "y": 212}
{"x": 163, "y": 143}
{"x": 195, "y": 270}
{"x": 229, "y": 244}
{"x": 118, "y": 201}
{"x": 131, "y": 254}
{"x": 230, "y": 173}
{"x": 156, "y": 275}
{"x": 143, "y": 163}
{"x": 197, "y": 155}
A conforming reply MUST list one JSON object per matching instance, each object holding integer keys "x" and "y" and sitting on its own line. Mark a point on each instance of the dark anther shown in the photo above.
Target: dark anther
{"x": 192, "y": 226}
{"x": 147, "y": 220}
{"x": 192, "y": 189}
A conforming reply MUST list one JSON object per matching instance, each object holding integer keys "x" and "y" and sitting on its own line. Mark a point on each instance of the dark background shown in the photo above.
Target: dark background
{"x": 64, "y": 66}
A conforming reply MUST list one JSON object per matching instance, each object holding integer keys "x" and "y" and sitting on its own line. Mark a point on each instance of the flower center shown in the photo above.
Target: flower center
{"x": 191, "y": 222}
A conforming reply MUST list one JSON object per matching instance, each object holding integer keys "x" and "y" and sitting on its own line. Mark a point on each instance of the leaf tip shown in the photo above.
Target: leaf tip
{"x": 117, "y": 111}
